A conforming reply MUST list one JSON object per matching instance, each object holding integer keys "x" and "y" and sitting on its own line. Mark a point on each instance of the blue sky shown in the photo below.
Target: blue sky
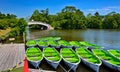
{"x": 25, "y": 8}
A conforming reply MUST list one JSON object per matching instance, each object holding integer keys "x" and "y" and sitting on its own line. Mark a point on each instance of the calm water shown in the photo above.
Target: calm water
{"x": 110, "y": 39}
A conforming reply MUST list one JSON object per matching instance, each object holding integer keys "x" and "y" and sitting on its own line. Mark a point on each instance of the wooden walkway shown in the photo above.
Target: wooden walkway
{"x": 10, "y": 55}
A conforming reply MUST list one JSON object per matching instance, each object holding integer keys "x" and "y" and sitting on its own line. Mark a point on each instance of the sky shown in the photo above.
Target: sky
{"x": 25, "y": 8}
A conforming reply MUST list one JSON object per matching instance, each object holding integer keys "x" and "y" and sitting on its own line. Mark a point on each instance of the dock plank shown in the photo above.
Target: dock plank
{"x": 10, "y": 55}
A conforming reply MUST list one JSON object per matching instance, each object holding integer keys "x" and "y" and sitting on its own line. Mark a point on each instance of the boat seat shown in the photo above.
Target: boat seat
{"x": 35, "y": 58}
{"x": 106, "y": 57}
{"x": 74, "y": 60}
{"x": 115, "y": 62}
{"x": 53, "y": 58}
{"x": 93, "y": 60}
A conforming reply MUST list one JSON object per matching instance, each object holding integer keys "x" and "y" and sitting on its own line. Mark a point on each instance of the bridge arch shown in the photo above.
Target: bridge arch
{"x": 49, "y": 27}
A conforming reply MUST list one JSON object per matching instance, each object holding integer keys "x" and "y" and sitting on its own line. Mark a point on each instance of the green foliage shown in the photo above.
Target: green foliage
{"x": 14, "y": 32}
{"x": 72, "y": 18}
{"x": 20, "y": 69}
{"x": 94, "y": 22}
{"x": 41, "y": 15}
{"x": 111, "y": 21}
{"x": 21, "y": 25}
{"x": 16, "y": 25}
{"x": 3, "y": 24}
{"x": 2, "y": 37}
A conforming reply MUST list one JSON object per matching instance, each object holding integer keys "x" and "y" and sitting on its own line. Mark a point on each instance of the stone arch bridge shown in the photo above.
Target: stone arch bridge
{"x": 40, "y": 23}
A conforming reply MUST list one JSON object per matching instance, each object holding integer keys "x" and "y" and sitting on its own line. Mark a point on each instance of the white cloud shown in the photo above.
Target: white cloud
{"x": 104, "y": 10}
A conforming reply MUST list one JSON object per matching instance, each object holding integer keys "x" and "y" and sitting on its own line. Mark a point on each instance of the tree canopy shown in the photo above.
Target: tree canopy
{"x": 72, "y": 18}
{"x": 17, "y": 25}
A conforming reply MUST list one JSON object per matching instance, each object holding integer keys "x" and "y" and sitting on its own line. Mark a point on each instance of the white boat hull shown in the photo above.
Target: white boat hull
{"x": 111, "y": 66}
{"x": 35, "y": 63}
{"x": 55, "y": 46}
{"x": 95, "y": 67}
{"x": 53, "y": 64}
{"x": 66, "y": 46}
{"x": 71, "y": 65}
{"x": 42, "y": 46}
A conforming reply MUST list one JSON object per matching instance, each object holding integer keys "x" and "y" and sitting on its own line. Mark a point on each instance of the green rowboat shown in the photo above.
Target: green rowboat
{"x": 89, "y": 58}
{"x": 64, "y": 44}
{"x": 76, "y": 44}
{"x": 52, "y": 56}
{"x": 42, "y": 44}
{"x": 94, "y": 46}
{"x": 34, "y": 56}
{"x": 107, "y": 59}
{"x": 52, "y": 43}
{"x": 115, "y": 53}
{"x": 70, "y": 58}
{"x": 31, "y": 43}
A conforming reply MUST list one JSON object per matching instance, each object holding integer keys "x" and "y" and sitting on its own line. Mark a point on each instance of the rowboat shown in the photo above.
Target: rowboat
{"x": 52, "y": 43}
{"x": 64, "y": 44}
{"x": 42, "y": 44}
{"x": 46, "y": 38}
{"x": 56, "y": 38}
{"x": 70, "y": 58}
{"x": 50, "y": 38}
{"x": 52, "y": 56}
{"x": 34, "y": 56}
{"x": 89, "y": 59}
{"x": 115, "y": 53}
{"x": 90, "y": 45}
{"x": 109, "y": 60}
{"x": 31, "y": 43}
{"x": 76, "y": 44}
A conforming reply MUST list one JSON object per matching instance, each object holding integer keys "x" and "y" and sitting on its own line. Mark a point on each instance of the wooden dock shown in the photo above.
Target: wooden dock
{"x": 11, "y": 55}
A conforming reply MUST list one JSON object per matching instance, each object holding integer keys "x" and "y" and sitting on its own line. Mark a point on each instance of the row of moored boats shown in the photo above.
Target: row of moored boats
{"x": 53, "y": 50}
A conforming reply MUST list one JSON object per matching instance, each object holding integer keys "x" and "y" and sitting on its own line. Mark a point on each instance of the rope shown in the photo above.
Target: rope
{"x": 63, "y": 68}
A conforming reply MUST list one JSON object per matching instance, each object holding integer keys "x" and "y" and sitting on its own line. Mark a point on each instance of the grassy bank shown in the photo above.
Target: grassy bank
{"x": 20, "y": 69}
{"x": 4, "y": 33}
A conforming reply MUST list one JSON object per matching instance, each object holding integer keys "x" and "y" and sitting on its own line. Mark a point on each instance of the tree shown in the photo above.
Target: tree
{"x": 14, "y": 32}
{"x": 35, "y": 16}
{"x": 89, "y": 15}
{"x": 2, "y": 16}
{"x": 111, "y": 21}
{"x": 41, "y": 15}
{"x": 69, "y": 9}
{"x": 97, "y": 14}
{"x": 94, "y": 22}
{"x": 9, "y": 16}
{"x": 3, "y": 24}
{"x": 115, "y": 25}
{"x": 22, "y": 25}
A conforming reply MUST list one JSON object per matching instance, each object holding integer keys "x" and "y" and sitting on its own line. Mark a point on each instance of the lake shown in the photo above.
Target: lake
{"x": 109, "y": 38}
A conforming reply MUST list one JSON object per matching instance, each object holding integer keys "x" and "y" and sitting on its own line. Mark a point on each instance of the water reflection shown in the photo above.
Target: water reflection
{"x": 110, "y": 39}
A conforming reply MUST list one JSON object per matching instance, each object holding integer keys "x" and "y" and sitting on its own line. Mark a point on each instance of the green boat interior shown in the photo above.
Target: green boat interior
{"x": 31, "y": 43}
{"x": 115, "y": 53}
{"x": 74, "y": 43}
{"x": 90, "y": 44}
{"x": 33, "y": 54}
{"x": 51, "y": 54}
{"x": 63, "y": 42}
{"x": 43, "y": 43}
{"x": 52, "y": 42}
{"x": 84, "y": 53}
{"x": 104, "y": 55}
{"x": 69, "y": 55}
{"x": 50, "y": 38}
